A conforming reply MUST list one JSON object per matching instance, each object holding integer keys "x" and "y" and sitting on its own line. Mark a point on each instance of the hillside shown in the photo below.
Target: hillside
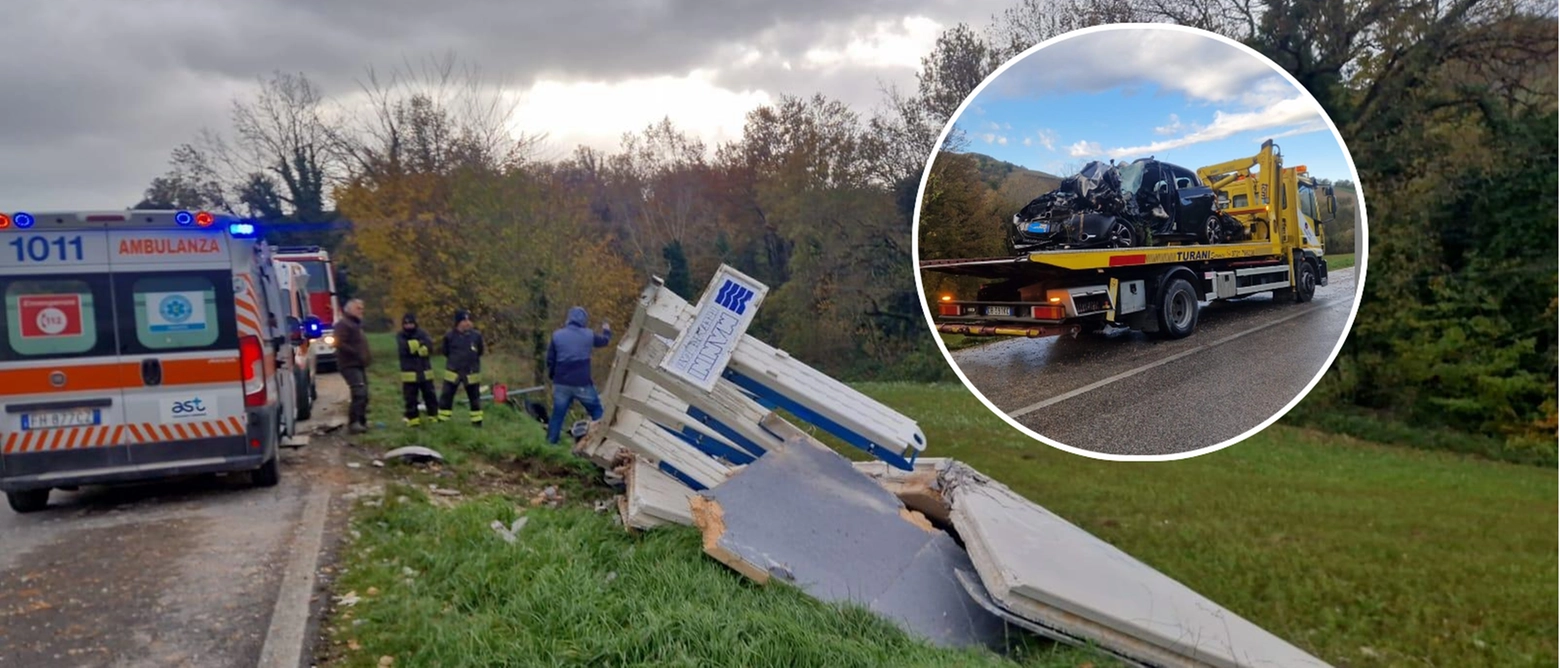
{"x": 1016, "y": 185}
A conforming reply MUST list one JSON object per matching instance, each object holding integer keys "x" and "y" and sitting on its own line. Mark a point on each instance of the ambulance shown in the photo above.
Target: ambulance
{"x": 303, "y": 327}
{"x": 139, "y": 345}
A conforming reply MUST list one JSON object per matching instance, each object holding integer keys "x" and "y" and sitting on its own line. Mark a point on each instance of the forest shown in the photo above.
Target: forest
{"x": 432, "y": 204}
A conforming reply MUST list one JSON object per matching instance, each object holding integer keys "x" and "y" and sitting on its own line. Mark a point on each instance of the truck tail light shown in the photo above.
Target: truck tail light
{"x": 1048, "y": 312}
{"x": 947, "y": 309}
{"x": 252, "y": 358}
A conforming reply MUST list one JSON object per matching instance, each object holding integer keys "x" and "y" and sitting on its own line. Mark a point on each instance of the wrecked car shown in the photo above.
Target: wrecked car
{"x": 1143, "y": 203}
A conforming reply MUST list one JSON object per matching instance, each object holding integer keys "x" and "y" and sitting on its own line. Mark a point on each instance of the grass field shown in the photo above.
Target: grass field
{"x": 1340, "y": 261}
{"x": 1362, "y": 554}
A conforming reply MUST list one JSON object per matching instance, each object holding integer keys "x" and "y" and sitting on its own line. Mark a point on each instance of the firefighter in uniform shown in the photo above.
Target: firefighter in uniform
{"x": 463, "y": 349}
{"x": 415, "y": 348}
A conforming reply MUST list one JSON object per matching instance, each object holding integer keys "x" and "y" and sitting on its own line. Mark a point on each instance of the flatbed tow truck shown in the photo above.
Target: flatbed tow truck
{"x": 1157, "y": 289}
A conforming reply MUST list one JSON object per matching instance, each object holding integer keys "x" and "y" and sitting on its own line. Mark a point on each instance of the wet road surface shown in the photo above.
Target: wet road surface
{"x": 1127, "y": 393}
{"x": 178, "y": 573}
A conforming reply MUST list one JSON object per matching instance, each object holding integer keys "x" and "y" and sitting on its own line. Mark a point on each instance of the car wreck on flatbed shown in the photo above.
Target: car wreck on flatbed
{"x": 1146, "y": 202}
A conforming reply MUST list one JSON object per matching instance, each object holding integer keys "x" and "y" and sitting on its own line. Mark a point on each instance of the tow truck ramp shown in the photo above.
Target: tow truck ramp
{"x": 692, "y": 422}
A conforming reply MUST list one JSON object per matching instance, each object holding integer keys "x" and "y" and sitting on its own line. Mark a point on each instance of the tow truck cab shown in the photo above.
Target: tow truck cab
{"x": 322, "y": 295}
{"x": 138, "y": 345}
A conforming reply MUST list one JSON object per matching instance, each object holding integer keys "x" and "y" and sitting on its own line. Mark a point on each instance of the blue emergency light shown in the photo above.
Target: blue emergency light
{"x": 241, "y": 230}
{"x": 22, "y": 220}
{"x": 313, "y": 327}
{"x": 184, "y": 218}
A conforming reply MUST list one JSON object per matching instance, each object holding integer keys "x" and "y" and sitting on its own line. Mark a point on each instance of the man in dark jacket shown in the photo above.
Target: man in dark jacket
{"x": 463, "y": 349}
{"x": 568, "y": 367}
{"x": 352, "y": 358}
{"x": 415, "y": 347}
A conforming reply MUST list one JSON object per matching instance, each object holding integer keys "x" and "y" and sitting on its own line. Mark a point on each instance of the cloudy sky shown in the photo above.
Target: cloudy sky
{"x": 99, "y": 91}
{"x": 1132, "y": 93}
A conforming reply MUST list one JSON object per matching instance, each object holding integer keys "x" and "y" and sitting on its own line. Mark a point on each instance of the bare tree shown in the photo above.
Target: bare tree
{"x": 1031, "y": 22}
{"x": 283, "y": 133}
{"x": 431, "y": 117}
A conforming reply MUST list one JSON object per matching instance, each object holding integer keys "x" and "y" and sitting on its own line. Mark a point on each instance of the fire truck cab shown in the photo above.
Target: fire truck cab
{"x": 139, "y": 345}
{"x": 322, "y": 295}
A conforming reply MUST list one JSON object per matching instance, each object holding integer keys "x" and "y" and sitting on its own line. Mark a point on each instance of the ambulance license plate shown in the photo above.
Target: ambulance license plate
{"x": 999, "y": 310}
{"x": 77, "y": 417}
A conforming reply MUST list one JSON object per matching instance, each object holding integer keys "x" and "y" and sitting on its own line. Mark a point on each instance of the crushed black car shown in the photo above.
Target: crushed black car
{"x": 1143, "y": 203}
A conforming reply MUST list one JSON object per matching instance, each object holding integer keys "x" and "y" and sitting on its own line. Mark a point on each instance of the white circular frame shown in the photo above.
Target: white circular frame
{"x": 1362, "y": 245}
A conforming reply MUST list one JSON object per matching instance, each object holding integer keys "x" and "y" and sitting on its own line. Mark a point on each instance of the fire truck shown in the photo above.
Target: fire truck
{"x": 322, "y": 296}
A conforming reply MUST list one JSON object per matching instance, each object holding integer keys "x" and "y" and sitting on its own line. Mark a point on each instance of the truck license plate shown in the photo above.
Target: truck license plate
{"x": 78, "y": 417}
{"x": 1039, "y": 228}
{"x": 999, "y": 310}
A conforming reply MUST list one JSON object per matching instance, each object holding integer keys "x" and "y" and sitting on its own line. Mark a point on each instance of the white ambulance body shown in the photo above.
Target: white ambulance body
{"x": 304, "y": 328}
{"x": 138, "y": 345}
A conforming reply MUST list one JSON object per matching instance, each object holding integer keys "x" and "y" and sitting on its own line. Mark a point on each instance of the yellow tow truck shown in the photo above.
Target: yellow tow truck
{"x": 1158, "y": 289}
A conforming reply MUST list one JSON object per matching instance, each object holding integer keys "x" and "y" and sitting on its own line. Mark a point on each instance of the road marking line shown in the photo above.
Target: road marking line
{"x": 287, "y": 638}
{"x": 1133, "y": 372}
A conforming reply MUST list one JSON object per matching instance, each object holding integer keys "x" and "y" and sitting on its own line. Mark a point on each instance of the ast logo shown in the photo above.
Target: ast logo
{"x": 193, "y": 408}
{"x": 734, "y": 297}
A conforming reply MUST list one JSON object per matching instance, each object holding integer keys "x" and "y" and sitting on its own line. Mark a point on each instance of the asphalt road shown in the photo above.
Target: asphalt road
{"x": 178, "y": 573}
{"x": 1124, "y": 392}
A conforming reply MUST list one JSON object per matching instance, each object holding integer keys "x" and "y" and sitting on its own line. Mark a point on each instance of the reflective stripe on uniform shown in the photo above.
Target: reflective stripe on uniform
{"x": 476, "y": 416}
{"x": 474, "y": 378}
{"x": 408, "y": 376}
{"x": 451, "y": 376}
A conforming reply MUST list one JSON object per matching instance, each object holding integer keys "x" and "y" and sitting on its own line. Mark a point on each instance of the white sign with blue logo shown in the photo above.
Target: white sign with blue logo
{"x": 702, "y": 351}
{"x": 175, "y": 311}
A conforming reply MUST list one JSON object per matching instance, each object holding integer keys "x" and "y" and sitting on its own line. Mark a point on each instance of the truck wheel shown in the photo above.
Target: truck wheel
{"x": 1305, "y": 281}
{"x": 1177, "y": 309}
{"x": 268, "y": 474}
{"x": 305, "y": 401}
{"x": 28, "y": 500}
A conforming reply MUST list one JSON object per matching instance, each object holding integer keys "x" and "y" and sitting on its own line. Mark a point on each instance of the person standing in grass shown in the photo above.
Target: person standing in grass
{"x": 352, "y": 358}
{"x": 568, "y": 367}
{"x": 463, "y": 349}
{"x": 415, "y": 346}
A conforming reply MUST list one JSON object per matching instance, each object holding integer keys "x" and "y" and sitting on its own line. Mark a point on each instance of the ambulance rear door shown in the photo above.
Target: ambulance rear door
{"x": 60, "y": 370}
{"x": 174, "y": 291}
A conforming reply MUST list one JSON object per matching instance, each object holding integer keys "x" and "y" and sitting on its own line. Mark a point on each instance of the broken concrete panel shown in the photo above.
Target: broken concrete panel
{"x": 1043, "y": 568}
{"x": 803, "y": 515}
{"x": 920, "y": 489}
{"x": 655, "y": 498}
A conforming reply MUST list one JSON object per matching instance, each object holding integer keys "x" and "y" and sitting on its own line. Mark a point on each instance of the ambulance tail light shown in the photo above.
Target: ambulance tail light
{"x": 251, "y": 357}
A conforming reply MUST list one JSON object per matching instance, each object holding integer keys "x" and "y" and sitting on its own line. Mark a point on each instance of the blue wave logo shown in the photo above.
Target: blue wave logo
{"x": 734, "y": 297}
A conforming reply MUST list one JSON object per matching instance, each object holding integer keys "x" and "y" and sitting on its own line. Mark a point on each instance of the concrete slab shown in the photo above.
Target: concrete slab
{"x": 802, "y": 514}
{"x": 1043, "y": 568}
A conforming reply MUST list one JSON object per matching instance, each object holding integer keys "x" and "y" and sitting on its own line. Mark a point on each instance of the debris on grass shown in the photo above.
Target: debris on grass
{"x": 414, "y": 454}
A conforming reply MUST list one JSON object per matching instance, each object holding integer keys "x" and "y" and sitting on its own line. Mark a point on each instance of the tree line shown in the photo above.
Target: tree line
{"x": 1447, "y": 107}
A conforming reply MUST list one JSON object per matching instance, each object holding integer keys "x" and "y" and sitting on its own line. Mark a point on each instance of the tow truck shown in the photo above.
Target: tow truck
{"x": 1158, "y": 289}
{"x": 322, "y": 296}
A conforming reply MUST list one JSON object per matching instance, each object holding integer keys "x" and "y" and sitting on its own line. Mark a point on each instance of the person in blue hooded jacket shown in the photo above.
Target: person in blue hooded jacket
{"x": 568, "y": 367}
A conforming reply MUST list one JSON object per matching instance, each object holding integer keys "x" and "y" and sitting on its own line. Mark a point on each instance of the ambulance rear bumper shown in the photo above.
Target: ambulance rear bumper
{"x": 67, "y": 468}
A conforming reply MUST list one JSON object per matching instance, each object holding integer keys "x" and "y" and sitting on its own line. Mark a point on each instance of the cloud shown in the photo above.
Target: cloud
{"x": 1172, "y": 127}
{"x": 1048, "y": 139}
{"x": 1199, "y": 67}
{"x": 591, "y": 113}
{"x": 1289, "y": 112}
{"x": 1084, "y": 149}
{"x": 100, "y": 119}
{"x": 1029, "y": 141}
{"x": 993, "y": 138}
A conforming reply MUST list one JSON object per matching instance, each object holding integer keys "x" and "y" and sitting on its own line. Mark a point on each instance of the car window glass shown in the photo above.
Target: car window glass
{"x": 57, "y": 317}
{"x": 175, "y": 312}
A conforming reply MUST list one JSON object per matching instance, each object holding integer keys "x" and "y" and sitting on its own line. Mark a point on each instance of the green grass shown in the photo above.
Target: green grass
{"x": 1340, "y": 261}
{"x": 959, "y": 341}
{"x": 1360, "y": 553}
{"x": 1364, "y": 555}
